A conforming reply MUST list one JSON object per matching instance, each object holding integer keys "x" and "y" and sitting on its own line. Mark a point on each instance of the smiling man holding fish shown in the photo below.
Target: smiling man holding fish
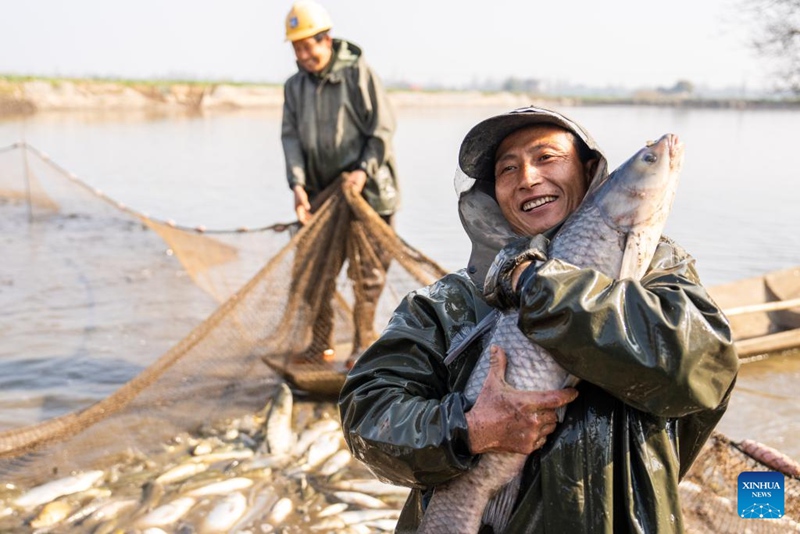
{"x": 569, "y": 283}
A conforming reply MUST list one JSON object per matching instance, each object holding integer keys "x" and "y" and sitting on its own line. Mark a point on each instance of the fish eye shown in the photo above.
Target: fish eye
{"x": 650, "y": 158}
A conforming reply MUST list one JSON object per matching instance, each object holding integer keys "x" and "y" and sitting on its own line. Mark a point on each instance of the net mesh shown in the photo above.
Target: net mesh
{"x": 709, "y": 491}
{"x": 203, "y": 326}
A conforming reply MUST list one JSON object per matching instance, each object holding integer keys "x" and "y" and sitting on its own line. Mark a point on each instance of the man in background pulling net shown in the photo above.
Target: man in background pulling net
{"x": 337, "y": 122}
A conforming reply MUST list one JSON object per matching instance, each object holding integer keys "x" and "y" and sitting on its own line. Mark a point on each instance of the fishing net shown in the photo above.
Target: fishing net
{"x": 199, "y": 328}
{"x": 260, "y": 290}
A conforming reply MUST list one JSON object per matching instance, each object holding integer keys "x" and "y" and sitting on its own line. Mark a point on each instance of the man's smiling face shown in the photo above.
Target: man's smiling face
{"x": 539, "y": 178}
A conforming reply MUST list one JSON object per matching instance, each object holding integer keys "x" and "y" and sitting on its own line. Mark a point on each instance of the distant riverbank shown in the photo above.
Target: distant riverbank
{"x": 21, "y": 95}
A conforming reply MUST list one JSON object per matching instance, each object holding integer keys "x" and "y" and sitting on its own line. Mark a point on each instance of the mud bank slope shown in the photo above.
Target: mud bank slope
{"x": 44, "y": 95}
{"x": 63, "y": 95}
{"x": 22, "y": 95}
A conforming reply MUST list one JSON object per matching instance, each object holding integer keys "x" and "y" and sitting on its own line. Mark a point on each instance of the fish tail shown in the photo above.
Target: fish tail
{"x": 498, "y": 511}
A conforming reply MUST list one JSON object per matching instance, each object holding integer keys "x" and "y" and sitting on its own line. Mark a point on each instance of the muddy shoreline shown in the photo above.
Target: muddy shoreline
{"x": 29, "y": 96}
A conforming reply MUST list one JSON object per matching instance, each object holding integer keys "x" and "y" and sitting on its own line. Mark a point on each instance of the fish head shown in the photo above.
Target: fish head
{"x": 639, "y": 193}
{"x": 636, "y": 200}
{"x": 667, "y": 151}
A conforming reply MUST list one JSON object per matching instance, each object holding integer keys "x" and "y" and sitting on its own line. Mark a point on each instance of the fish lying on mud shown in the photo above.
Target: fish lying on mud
{"x": 57, "y": 488}
{"x": 615, "y": 230}
{"x": 283, "y": 469}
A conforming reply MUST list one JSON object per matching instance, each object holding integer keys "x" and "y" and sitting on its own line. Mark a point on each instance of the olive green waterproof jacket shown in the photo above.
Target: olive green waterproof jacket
{"x": 340, "y": 120}
{"x": 657, "y": 366}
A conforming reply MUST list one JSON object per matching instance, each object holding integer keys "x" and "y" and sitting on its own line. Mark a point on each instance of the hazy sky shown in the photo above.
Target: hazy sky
{"x": 612, "y": 42}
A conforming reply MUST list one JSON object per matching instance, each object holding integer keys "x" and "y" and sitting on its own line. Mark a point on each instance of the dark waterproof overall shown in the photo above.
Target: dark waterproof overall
{"x": 336, "y": 121}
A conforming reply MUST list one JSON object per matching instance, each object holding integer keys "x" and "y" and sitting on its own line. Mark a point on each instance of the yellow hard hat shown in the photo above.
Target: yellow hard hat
{"x": 306, "y": 19}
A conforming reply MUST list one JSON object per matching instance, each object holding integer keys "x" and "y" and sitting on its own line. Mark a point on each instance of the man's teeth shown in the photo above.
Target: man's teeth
{"x": 537, "y": 202}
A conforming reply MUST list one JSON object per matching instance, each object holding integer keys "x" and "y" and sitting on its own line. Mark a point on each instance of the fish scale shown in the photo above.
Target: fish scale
{"x": 614, "y": 231}
{"x": 546, "y": 374}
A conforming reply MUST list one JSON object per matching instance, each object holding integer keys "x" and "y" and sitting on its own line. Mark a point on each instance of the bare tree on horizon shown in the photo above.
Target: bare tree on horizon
{"x": 776, "y": 37}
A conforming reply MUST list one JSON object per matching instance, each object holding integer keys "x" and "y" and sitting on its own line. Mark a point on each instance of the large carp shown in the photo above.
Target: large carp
{"x": 615, "y": 230}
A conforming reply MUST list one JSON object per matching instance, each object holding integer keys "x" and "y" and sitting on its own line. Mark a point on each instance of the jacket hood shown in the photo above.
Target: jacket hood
{"x": 480, "y": 214}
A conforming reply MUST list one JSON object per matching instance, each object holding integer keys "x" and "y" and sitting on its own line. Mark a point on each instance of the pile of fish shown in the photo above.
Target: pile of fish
{"x": 285, "y": 469}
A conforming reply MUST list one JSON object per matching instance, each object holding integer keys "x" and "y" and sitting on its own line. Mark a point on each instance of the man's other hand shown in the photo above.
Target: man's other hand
{"x": 355, "y": 180}
{"x": 301, "y": 205}
{"x": 500, "y": 285}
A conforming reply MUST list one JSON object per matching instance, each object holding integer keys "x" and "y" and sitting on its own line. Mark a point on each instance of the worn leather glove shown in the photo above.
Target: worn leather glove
{"x": 497, "y": 288}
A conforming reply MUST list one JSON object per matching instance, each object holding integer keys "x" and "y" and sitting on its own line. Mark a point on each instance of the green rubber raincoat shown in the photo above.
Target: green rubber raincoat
{"x": 340, "y": 120}
{"x": 655, "y": 357}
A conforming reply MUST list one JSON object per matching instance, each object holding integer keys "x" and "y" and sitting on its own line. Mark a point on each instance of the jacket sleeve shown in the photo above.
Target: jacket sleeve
{"x": 660, "y": 344}
{"x": 290, "y": 138}
{"x": 377, "y": 118}
{"x": 397, "y": 412}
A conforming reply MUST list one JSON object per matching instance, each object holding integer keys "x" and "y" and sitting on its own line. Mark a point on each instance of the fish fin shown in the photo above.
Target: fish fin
{"x": 498, "y": 511}
{"x": 630, "y": 257}
{"x": 639, "y": 245}
{"x": 569, "y": 382}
